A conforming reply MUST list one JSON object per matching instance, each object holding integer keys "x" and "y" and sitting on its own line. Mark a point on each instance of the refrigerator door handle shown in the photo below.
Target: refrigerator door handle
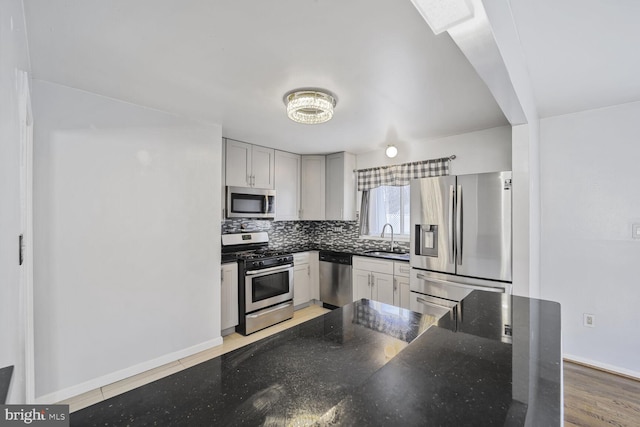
{"x": 459, "y": 224}
{"x": 452, "y": 253}
{"x": 460, "y": 285}
{"x": 432, "y": 304}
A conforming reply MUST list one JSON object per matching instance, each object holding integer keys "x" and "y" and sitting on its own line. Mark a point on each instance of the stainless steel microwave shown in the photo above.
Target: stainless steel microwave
{"x": 243, "y": 202}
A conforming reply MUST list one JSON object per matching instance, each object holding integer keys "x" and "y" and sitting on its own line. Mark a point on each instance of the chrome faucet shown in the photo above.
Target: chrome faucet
{"x": 384, "y": 227}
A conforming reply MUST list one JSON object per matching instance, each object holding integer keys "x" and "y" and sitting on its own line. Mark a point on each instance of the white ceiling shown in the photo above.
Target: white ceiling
{"x": 231, "y": 61}
{"x": 581, "y": 54}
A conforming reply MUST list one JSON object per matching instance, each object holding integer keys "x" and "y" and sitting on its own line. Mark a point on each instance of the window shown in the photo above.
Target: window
{"x": 389, "y": 205}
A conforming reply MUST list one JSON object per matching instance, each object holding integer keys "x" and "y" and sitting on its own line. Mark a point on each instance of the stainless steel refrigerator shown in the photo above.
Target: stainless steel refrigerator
{"x": 460, "y": 237}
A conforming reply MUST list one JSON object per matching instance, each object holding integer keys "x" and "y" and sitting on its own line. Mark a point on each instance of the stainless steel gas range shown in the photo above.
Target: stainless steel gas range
{"x": 265, "y": 281}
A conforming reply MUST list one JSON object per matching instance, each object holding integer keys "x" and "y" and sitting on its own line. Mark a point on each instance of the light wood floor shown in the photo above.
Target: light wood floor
{"x": 230, "y": 342}
{"x": 597, "y": 398}
{"x": 591, "y": 397}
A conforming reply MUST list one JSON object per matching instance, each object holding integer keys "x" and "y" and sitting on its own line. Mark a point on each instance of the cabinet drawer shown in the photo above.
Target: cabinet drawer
{"x": 301, "y": 258}
{"x": 372, "y": 264}
{"x": 401, "y": 269}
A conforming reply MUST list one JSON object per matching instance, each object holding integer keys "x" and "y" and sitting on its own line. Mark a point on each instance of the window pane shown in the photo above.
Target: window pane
{"x": 389, "y": 205}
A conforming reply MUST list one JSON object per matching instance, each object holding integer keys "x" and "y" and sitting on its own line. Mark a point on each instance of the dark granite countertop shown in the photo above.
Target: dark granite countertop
{"x": 5, "y": 382}
{"x": 351, "y": 251}
{"x": 470, "y": 377}
{"x": 368, "y": 364}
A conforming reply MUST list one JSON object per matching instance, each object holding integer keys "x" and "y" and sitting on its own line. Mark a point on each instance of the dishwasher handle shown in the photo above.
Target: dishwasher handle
{"x": 335, "y": 257}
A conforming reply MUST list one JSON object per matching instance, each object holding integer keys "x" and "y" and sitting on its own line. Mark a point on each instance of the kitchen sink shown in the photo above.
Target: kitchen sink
{"x": 391, "y": 255}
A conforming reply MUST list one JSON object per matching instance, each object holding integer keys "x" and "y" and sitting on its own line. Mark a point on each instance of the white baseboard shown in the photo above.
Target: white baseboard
{"x": 95, "y": 383}
{"x": 603, "y": 366}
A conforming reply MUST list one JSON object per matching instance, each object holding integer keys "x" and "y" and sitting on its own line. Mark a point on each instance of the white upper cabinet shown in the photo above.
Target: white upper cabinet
{"x": 237, "y": 163}
{"x": 263, "y": 167}
{"x": 249, "y": 165}
{"x": 313, "y": 188}
{"x": 341, "y": 187}
{"x": 287, "y": 185}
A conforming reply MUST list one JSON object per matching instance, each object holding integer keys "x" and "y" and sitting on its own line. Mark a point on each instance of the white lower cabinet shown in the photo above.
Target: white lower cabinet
{"x": 314, "y": 264}
{"x": 361, "y": 284}
{"x": 381, "y": 280}
{"x": 373, "y": 279}
{"x": 301, "y": 279}
{"x": 401, "y": 284}
{"x": 229, "y": 295}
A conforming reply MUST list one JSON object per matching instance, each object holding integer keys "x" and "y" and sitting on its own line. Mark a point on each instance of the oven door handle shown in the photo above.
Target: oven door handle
{"x": 276, "y": 308}
{"x": 460, "y": 285}
{"x": 269, "y": 270}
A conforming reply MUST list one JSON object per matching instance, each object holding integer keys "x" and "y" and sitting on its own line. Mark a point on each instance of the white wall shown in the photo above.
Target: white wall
{"x": 526, "y": 210}
{"x": 13, "y": 56}
{"x": 589, "y": 262}
{"x": 127, "y": 214}
{"x": 487, "y": 150}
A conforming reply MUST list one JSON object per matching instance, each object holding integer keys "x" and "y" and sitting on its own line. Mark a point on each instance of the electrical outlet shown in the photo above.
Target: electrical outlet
{"x": 589, "y": 320}
{"x": 635, "y": 231}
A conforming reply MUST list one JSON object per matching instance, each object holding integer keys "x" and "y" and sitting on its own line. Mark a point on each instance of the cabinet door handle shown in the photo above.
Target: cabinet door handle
{"x": 395, "y": 285}
{"x": 308, "y": 270}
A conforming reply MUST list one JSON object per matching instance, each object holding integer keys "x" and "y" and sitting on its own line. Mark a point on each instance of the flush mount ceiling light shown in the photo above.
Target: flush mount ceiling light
{"x": 310, "y": 106}
{"x": 391, "y": 151}
{"x": 443, "y": 14}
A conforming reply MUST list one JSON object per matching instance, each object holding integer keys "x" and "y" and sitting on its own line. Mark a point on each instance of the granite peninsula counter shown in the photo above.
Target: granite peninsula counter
{"x": 368, "y": 364}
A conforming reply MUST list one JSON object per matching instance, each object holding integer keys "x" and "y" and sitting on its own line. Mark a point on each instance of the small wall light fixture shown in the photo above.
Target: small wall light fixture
{"x": 391, "y": 151}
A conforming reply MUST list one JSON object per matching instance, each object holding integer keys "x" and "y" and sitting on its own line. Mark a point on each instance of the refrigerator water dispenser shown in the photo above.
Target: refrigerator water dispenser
{"x": 427, "y": 241}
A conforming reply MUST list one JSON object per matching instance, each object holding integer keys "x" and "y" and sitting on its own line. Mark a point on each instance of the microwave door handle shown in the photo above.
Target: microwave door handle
{"x": 459, "y": 224}
{"x": 266, "y": 204}
{"x": 451, "y": 237}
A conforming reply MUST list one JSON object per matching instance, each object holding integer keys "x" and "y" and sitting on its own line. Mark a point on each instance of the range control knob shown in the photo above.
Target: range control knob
{"x": 260, "y": 263}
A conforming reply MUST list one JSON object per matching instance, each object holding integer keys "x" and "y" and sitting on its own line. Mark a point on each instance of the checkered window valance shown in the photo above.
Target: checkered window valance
{"x": 398, "y": 175}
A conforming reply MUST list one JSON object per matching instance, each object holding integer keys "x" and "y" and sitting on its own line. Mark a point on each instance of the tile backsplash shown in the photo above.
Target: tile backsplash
{"x": 329, "y": 235}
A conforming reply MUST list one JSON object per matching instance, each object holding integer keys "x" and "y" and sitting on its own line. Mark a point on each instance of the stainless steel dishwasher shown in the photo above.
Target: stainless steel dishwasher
{"x": 336, "y": 287}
